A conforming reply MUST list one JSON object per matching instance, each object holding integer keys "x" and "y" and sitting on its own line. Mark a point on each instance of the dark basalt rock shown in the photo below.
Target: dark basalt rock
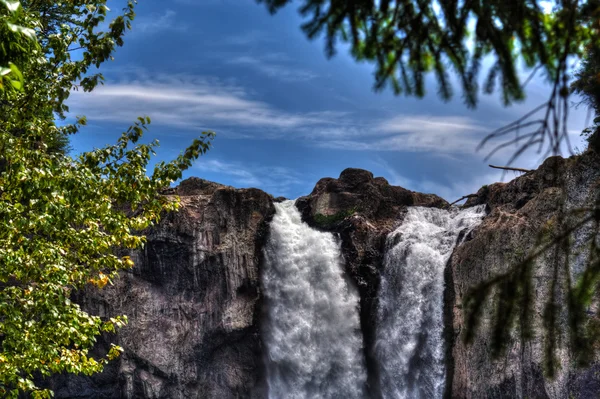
{"x": 356, "y": 191}
{"x": 193, "y": 303}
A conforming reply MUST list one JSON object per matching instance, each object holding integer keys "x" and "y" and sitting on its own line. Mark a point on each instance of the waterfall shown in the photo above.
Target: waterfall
{"x": 312, "y": 330}
{"x": 409, "y": 336}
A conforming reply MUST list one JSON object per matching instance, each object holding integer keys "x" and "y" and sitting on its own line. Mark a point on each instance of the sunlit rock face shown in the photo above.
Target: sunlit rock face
{"x": 193, "y": 303}
{"x": 522, "y": 213}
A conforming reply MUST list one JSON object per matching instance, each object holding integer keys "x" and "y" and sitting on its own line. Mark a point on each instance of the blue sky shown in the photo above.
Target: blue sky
{"x": 285, "y": 115}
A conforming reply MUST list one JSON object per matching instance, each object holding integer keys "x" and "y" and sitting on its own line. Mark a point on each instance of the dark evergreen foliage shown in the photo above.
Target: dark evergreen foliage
{"x": 406, "y": 39}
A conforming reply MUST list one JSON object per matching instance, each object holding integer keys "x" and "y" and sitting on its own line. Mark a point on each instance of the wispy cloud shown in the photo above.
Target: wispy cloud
{"x": 188, "y": 102}
{"x": 158, "y": 22}
{"x": 429, "y": 124}
{"x": 277, "y": 66}
{"x": 251, "y": 37}
{"x": 206, "y": 2}
{"x": 444, "y": 134}
{"x": 275, "y": 180}
{"x": 200, "y": 103}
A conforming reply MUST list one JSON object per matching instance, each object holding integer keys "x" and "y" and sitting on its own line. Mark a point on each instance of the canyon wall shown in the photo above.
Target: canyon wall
{"x": 524, "y": 216}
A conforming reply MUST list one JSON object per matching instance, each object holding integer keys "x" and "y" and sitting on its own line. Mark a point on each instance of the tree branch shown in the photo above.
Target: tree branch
{"x": 509, "y": 168}
{"x": 463, "y": 197}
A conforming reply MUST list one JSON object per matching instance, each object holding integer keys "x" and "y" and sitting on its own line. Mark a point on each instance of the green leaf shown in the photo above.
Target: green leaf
{"x": 12, "y": 6}
{"x": 62, "y": 219}
{"x": 28, "y": 32}
{"x": 15, "y": 70}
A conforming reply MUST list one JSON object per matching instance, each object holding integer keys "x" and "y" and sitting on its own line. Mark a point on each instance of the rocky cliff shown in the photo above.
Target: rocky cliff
{"x": 193, "y": 303}
{"x": 194, "y": 298}
{"x": 524, "y": 215}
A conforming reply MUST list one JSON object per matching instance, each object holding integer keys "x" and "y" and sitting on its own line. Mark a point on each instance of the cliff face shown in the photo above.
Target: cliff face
{"x": 194, "y": 297}
{"x": 193, "y": 302}
{"x": 524, "y": 215}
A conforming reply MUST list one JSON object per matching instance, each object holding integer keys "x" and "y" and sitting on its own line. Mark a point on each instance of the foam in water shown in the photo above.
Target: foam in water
{"x": 409, "y": 337}
{"x": 312, "y": 330}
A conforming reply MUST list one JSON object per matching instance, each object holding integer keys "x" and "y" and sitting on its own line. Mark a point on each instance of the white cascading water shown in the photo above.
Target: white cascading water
{"x": 312, "y": 329}
{"x": 409, "y": 336}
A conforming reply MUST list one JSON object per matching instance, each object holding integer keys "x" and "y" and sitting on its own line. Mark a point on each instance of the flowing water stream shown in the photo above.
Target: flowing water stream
{"x": 312, "y": 330}
{"x": 409, "y": 335}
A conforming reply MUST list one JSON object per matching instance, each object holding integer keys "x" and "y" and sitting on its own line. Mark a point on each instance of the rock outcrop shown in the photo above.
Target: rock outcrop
{"x": 363, "y": 210}
{"x": 524, "y": 215}
{"x": 193, "y": 303}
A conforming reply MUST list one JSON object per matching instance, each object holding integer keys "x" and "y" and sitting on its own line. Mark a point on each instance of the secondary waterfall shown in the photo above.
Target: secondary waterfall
{"x": 409, "y": 337}
{"x": 312, "y": 329}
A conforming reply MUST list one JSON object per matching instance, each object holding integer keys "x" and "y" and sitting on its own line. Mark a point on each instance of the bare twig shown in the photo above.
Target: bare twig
{"x": 464, "y": 197}
{"x": 509, "y": 168}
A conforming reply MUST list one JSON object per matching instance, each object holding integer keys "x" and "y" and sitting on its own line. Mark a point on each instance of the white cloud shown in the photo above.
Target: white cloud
{"x": 195, "y": 103}
{"x": 273, "y": 66}
{"x": 442, "y": 134}
{"x": 158, "y": 22}
{"x": 189, "y": 103}
{"x": 430, "y": 124}
{"x": 246, "y": 39}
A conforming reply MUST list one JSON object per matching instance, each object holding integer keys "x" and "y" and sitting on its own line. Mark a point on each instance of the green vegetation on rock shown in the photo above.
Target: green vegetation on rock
{"x": 328, "y": 220}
